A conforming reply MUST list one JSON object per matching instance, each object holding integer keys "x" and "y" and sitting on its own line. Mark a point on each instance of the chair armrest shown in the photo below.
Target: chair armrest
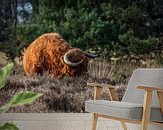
{"x": 98, "y": 88}
{"x": 101, "y": 85}
{"x": 148, "y": 88}
{"x": 159, "y": 94}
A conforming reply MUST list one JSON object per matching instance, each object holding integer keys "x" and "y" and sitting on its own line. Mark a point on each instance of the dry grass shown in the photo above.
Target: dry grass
{"x": 3, "y": 58}
{"x": 69, "y": 94}
{"x": 65, "y": 96}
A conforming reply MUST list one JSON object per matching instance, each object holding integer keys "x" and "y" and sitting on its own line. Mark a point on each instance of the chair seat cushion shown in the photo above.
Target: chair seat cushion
{"x": 125, "y": 110}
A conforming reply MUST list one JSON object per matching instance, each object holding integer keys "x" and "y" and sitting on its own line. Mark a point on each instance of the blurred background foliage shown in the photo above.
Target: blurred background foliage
{"x": 107, "y": 27}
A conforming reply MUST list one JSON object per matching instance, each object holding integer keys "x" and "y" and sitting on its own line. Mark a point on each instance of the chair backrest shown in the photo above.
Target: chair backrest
{"x": 147, "y": 77}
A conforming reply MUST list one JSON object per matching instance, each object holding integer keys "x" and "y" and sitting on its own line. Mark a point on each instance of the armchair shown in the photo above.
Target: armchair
{"x": 138, "y": 107}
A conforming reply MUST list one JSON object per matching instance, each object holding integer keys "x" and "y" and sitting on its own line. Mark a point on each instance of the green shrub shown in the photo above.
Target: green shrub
{"x": 136, "y": 45}
{"x": 89, "y": 25}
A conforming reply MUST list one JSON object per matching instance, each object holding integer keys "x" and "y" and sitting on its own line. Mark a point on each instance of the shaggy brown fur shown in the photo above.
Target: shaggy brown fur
{"x": 46, "y": 54}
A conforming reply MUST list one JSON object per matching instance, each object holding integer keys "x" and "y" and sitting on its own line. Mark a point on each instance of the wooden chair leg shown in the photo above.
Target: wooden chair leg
{"x": 94, "y": 122}
{"x": 146, "y": 110}
{"x": 124, "y": 125}
{"x": 160, "y": 98}
{"x": 144, "y": 126}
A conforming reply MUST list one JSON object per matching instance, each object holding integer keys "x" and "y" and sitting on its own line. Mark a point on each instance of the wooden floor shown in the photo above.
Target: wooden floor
{"x": 57, "y": 121}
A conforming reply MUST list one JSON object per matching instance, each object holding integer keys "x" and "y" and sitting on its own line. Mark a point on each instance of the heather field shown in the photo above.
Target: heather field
{"x": 69, "y": 94}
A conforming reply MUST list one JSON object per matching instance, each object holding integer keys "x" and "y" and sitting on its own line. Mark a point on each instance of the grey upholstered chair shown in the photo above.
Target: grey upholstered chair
{"x": 137, "y": 106}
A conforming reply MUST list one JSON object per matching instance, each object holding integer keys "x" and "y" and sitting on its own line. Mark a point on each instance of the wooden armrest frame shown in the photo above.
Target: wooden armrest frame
{"x": 101, "y": 85}
{"x": 159, "y": 93}
{"x": 150, "y": 88}
{"x": 148, "y": 100}
{"x": 98, "y": 89}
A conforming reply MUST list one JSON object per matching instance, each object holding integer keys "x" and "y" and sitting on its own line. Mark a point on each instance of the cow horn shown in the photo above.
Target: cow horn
{"x": 90, "y": 55}
{"x": 68, "y": 62}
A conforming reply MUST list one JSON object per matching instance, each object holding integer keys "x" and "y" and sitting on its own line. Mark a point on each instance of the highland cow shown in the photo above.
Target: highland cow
{"x": 51, "y": 53}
